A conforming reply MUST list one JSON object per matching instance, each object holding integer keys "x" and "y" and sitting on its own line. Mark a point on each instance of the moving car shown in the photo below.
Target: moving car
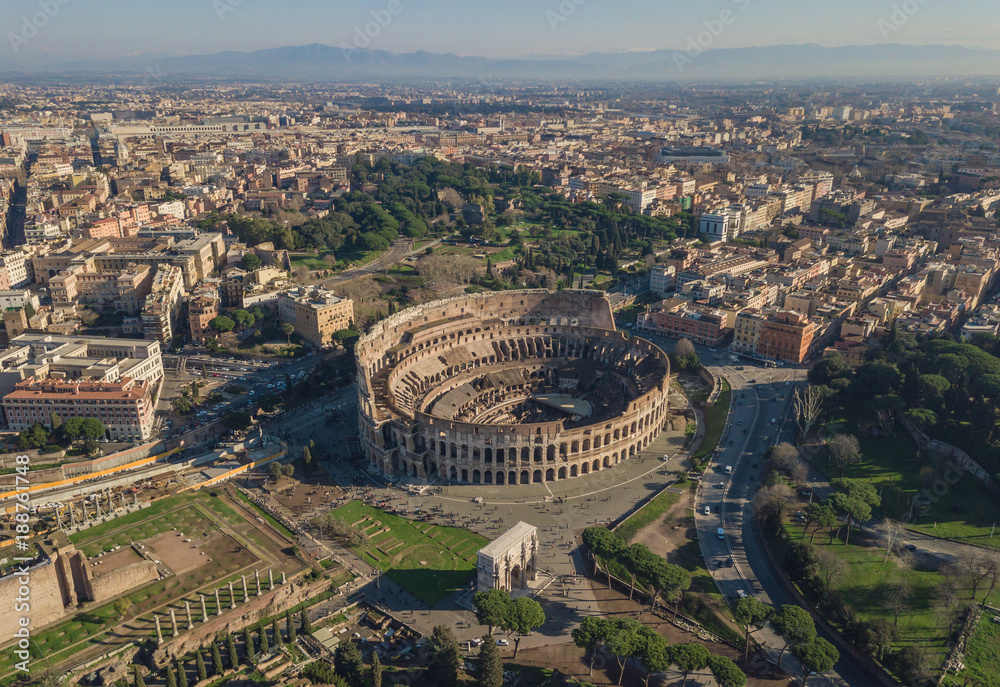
{"x": 721, "y": 532}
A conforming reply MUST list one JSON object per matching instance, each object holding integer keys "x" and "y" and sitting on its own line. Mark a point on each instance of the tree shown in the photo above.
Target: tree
{"x": 34, "y": 437}
{"x": 602, "y": 543}
{"x": 685, "y": 357}
{"x": 93, "y": 428}
{"x": 750, "y": 613}
{"x": 217, "y": 668}
{"x": 274, "y": 469}
{"x": 491, "y": 607}
{"x": 783, "y": 457}
{"x": 122, "y": 605}
{"x": 72, "y": 429}
{"x": 622, "y": 640}
{"x": 304, "y": 622}
{"x": 243, "y": 318}
{"x": 248, "y": 648}
{"x": 377, "y": 669}
{"x": 171, "y": 678}
{"x": 250, "y": 262}
{"x": 182, "y": 678}
{"x": 523, "y": 615}
{"x": 844, "y": 450}
{"x": 891, "y": 533}
{"x": 265, "y": 646}
{"x": 55, "y": 421}
{"x": 821, "y": 514}
{"x": 276, "y": 633}
{"x": 690, "y": 658}
{"x": 655, "y": 652}
{"x": 808, "y": 405}
{"x": 794, "y": 625}
{"x": 855, "y": 500}
{"x": 444, "y": 659}
{"x": 287, "y": 469}
{"x": 816, "y": 656}
{"x": 221, "y": 324}
{"x": 348, "y": 663}
{"x": 199, "y": 664}
{"x": 771, "y": 503}
{"x": 895, "y": 596}
{"x": 831, "y": 566}
{"x": 290, "y": 627}
{"x": 231, "y": 655}
{"x": 287, "y": 328}
{"x": 726, "y": 673}
{"x": 182, "y": 406}
{"x": 489, "y": 670}
{"x": 307, "y": 459}
{"x": 591, "y": 634}
{"x": 139, "y": 681}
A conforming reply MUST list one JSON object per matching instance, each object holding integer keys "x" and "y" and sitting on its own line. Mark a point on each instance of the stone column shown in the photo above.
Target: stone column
{"x": 282, "y": 577}
{"x": 204, "y": 610}
{"x": 218, "y": 605}
{"x": 187, "y": 607}
{"x": 173, "y": 621}
{"x": 246, "y": 595}
{"x": 159, "y": 633}
{"x": 232, "y": 596}
{"x": 256, "y": 574}
{"x": 270, "y": 580}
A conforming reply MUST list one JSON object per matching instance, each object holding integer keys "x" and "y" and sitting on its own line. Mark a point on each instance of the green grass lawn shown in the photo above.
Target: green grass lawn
{"x": 715, "y": 421}
{"x": 313, "y": 262}
{"x": 428, "y": 561}
{"x": 647, "y": 515}
{"x": 863, "y": 586}
{"x": 963, "y": 511}
{"x": 982, "y": 654}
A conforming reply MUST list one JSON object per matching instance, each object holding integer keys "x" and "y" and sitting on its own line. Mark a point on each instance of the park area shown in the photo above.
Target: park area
{"x": 428, "y": 561}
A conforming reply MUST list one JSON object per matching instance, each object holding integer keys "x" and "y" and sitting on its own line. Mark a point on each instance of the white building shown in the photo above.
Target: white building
{"x": 715, "y": 226}
{"x": 663, "y": 280}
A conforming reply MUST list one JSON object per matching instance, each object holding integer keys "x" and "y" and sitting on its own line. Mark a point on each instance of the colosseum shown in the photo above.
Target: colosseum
{"x": 514, "y": 387}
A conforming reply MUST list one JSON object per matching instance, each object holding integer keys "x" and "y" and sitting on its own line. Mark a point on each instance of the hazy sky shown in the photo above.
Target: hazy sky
{"x": 511, "y": 28}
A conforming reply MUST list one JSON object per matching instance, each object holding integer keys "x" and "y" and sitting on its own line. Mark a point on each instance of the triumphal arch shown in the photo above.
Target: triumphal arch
{"x": 509, "y": 561}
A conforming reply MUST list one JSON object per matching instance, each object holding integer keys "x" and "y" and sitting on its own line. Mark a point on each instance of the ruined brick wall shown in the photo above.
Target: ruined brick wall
{"x": 110, "y": 584}
{"x": 46, "y": 599}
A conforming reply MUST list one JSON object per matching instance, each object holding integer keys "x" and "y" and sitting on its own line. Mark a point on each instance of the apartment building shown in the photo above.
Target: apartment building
{"x": 746, "y": 332}
{"x": 203, "y": 307}
{"x": 125, "y": 407}
{"x": 162, "y": 307}
{"x": 316, "y": 314}
{"x": 679, "y": 319}
{"x": 787, "y": 336}
{"x": 662, "y": 279}
{"x": 124, "y": 291}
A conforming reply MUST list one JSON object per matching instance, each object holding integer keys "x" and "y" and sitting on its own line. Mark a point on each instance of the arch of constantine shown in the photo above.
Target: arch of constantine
{"x": 513, "y": 387}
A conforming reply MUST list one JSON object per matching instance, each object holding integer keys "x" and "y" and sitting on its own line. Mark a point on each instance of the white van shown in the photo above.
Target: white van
{"x": 721, "y": 532}
{"x": 729, "y": 469}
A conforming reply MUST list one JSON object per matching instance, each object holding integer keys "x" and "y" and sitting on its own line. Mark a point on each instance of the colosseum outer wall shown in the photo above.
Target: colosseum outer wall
{"x": 497, "y": 331}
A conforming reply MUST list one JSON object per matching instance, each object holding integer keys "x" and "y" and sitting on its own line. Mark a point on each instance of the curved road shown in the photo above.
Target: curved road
{"x": 399, "y": 250}
{"x": 760, "y": 416}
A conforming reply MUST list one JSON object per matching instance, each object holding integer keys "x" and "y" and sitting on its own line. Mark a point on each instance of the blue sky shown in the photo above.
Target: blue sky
{"x": 109, "y": 29}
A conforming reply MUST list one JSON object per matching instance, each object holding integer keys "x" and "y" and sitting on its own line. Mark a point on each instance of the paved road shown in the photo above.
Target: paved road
{"x": 399, "y": 250}
{"x": 760, "y": 416}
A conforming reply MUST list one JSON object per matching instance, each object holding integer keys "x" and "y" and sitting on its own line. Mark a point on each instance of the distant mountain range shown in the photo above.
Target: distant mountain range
{"x": 319, "y": 62}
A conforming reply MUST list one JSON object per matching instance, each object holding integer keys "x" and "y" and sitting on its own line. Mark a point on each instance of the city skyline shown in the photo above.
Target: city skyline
{"x": 51, "y": 34}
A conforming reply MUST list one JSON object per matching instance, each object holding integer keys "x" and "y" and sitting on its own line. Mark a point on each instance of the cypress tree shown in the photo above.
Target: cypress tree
{"x": 139, "y": 681}
{"x": 217, "y": 659}
{"x": 489, "y": 672}
{"x": 265, "y": 647}
{"x": 248, "y": 640}
{"x": 278, "y": 639}
{"x": 376, "y": 671}
{"x": 182, "y": 678}
{"x": 290, "y": 626}
{"x": 306, "y": 625}
{"x": 234, "y": 660}
{"x": 171, "y": 678}
{"x": 199, "y": 664}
